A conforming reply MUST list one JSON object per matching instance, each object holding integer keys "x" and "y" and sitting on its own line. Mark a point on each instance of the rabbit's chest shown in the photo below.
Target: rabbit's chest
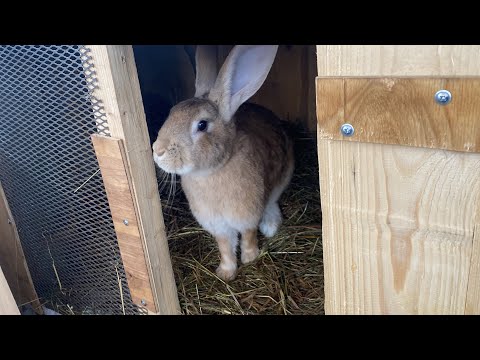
{"x": 216, "y": 201}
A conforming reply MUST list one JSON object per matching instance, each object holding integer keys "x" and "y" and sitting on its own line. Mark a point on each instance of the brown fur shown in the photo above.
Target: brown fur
{"x": 249, "y": 245}
{"x": 228, "y": 258}
{"x": 260, "y": 148}
{"x": 210, "y": 150}
{"x": 269, "y": 141}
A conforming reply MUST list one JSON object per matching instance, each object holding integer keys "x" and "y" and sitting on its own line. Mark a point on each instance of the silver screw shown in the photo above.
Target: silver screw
{"x": 125, "y": 221}
{"x": 347, "y": 130}
{"x": 9, "y": 221}
{"x": 143, "y": 302}
{"x": 443, "y": 97}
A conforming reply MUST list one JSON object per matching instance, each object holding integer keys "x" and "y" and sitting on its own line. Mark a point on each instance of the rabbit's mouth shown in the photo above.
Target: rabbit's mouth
{"x": 172, "y": 167}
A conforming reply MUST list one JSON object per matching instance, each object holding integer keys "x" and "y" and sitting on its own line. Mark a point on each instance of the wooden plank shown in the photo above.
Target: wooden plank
{"x": 402, "y": 111}
{"x": 285, "y": 88}
{"x": 12, "y": 259}
{"x": 398, "y": 227}
{"x": 311, "y": 84}
{"x": 398, "y": 60}
{"x": 472, "y": 306}
{"x": 112, "y": 161}
{"x": 7, "y": 302}
{"x": 119, "y": 91}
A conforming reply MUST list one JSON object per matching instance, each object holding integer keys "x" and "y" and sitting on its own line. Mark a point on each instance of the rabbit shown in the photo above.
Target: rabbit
{"x": 234, "y": 158}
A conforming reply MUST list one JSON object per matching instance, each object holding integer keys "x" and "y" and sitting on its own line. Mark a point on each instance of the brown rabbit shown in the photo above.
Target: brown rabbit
{"x": 234, "y": 160}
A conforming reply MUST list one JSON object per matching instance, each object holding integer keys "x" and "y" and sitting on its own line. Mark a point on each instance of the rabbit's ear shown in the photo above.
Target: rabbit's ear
{"x": 240, "y": 77}
{"x": 206, "y": 67}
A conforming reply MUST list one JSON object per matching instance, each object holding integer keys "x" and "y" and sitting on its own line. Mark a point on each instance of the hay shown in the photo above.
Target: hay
{"x": 287, "y": 278}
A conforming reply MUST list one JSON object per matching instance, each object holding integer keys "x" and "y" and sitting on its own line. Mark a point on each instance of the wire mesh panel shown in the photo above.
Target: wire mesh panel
{"x": 52, "y": 181}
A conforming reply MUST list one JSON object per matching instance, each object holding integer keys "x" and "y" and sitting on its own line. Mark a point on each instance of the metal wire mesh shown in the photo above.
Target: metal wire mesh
{"x": 47, "y": 114}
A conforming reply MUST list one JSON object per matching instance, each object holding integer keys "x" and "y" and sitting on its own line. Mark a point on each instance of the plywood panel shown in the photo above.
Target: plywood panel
{"x": 285, "y": 90}
{"x": 401, "y": 111}
{"x": 289, "y": 89}
{"x": 398, "y": 60}
{"x": 12, "y": 259}
{"x": 398, "y": 228}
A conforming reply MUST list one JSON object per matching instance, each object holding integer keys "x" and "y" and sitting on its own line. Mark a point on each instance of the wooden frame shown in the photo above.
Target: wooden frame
{"x": 12, "y": 259}
{"x": 7, "y": 302}
{"x": 400, "y": 211}
{"x": 119, "y": 91}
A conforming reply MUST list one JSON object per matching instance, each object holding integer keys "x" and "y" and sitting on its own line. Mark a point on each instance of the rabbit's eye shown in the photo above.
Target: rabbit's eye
{"x": 202, "y": 125}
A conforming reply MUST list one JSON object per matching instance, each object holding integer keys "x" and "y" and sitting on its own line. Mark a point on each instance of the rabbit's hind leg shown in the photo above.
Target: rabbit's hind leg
{"x": 249, "y": 246}
{"x": 227, "y": 244}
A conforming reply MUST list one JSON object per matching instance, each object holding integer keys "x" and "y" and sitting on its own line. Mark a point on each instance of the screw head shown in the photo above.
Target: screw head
{"x": 347, "y": 130}
{"x": 125, "y": 221}
{"x": 443, "y": 97}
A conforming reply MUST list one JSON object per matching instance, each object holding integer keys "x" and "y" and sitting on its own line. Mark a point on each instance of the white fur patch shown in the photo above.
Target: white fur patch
{"x": 272, "y": 218}
{"x": 184, "y": 170}
{"x": 219, "y": 223}
{"x": 228, "y": 266}
{"x": 217, "y": 226}
{"x": 159, "y": 160}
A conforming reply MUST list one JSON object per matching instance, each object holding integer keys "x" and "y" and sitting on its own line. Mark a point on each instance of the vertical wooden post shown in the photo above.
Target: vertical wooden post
{"x": 400, "y": 198}
{"x": 12, "y": 259}
{"x": 7, "y": 302}
{"x": 119, "y": 90}
{"x": 472, "y": 306}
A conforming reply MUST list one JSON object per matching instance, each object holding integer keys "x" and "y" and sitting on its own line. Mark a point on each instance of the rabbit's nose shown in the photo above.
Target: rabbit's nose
{"x": 159, "y": 147}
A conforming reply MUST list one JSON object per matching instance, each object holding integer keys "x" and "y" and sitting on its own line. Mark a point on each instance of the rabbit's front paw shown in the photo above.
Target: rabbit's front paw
{"x": 226, "y": 273}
